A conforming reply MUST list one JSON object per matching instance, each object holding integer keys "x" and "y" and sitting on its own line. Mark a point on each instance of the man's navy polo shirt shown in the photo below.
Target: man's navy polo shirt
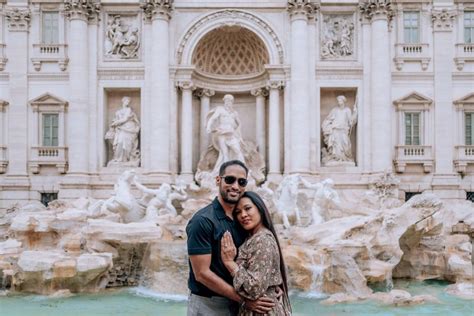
{"x": 205, "y": 230}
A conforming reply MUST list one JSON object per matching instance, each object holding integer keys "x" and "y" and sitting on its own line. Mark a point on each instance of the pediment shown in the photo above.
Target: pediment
{"x": 468, "y": 99}
{"x": 48, "y": 99}
{"x": 413, "y": 98}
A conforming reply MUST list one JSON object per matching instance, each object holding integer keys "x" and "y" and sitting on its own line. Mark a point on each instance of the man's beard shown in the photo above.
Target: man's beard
{"x": 227, "y": 199}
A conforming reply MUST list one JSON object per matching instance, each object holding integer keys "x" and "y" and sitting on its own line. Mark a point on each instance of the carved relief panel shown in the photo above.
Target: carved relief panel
{"x": 337, "y": 36}
{"x": 122, "y": 37}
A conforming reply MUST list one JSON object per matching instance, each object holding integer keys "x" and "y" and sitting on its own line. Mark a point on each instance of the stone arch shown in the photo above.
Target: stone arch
{"x": 222, "y": 18}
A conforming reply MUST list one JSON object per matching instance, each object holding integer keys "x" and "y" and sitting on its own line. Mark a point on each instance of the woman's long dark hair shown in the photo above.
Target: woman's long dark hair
{"x": 267, "y": 222}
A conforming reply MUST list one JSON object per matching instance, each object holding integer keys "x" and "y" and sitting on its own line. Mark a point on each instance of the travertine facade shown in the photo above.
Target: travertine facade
{"x": 408, "y": 67}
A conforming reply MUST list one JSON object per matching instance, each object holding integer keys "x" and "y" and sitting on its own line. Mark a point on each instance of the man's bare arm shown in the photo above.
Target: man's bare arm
{"x": 201, "y": 268}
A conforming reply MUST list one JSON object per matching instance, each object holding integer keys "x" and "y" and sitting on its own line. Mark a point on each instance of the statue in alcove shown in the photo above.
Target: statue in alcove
{"x": 123, "y": 134}
{"x": 223, "y": 124}
{"x": 337, "y": 128}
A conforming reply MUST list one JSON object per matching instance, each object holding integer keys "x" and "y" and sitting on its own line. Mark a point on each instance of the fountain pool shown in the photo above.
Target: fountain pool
{"x": 142, "y": 302}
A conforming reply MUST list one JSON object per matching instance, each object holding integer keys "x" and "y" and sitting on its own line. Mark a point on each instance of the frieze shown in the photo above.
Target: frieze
{"x": 156, "y": 9}
{"x": 18, "y": 19}
{"x": 121, "y": 74}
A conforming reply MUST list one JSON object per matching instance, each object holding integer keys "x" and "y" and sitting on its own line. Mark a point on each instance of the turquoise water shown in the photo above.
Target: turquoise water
{"x": 141, "y": 302}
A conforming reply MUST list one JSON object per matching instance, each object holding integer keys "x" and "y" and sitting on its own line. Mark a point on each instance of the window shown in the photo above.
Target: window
{"x": 48, "y": 197}
{"x": 469, "y": 26}
{"x": 50, "y": 34}
{"x": 470, "y": 196}
{"x": 409, "y": 195}
{"x": 412, "y": 128}
{"x": 50, "y": 129}
{"x": 469, "y": 128}
{"x": 411, "y": 26}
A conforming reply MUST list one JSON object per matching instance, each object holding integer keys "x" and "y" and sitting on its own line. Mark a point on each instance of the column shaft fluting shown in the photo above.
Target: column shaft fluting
{"x": 274, "y": 130}
{"x": 186, "y": 128}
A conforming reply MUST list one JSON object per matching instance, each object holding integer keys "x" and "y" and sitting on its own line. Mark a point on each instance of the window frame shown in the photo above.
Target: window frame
{"x": 420, "y": 128}
{"x": 42, "y": 127}
{"x": 43, "y": 30}
{"x": 411, "y": 28}
{"x": 469, "y": 12}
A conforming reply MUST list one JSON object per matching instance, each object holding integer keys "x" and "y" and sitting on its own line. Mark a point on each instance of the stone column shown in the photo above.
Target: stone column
{"x": 364, "y": 119}
{"x": 379, "y": 13}
{"x": 260, "y": 95}
{"x": 159, "y": 12}
{"x": 274, "y": 168}
{"x": 78, "y": 12}
{"x": 186, "y": 129}
{"x": 299, "y": 105}
{"x": 205, "y": 96}
{"x": 18, "y": 20}
{"x": 445, "y": 181}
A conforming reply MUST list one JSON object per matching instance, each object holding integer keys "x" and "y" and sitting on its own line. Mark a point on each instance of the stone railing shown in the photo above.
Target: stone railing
{"x": 464, "y": 53}
{"x": 48, "y": 155}
{"x": 3, "y": 159}
{"x": 3, "y": 58}
{"x": 50, "y": 53}
{"x": 413, "y": 154}
{"x": 463, "y": 155}
{"x": 412, "y": 53}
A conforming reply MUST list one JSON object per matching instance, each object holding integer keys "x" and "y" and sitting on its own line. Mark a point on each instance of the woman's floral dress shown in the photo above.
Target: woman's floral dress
{"x": 259, "y": 272}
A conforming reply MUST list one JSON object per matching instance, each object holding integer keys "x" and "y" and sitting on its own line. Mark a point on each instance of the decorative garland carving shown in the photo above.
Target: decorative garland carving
{"x": 231, "y": 15}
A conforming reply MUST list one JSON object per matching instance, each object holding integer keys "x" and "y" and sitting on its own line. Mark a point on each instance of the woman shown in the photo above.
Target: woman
{"x": 259, "y": 269}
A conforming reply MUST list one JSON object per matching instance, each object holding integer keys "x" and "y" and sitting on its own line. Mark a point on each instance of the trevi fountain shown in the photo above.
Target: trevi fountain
{"x": 355, "y": 119}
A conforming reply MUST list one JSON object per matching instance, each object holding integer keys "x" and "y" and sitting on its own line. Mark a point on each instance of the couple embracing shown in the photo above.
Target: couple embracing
{"x": 235, "y": 260}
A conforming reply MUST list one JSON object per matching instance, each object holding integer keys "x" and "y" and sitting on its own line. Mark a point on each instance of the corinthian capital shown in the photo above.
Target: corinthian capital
{"x": 157, "y": 9}
{"x": 18, "y": 18}
{"x": 81, "y": 9}
{"x": 275, "y": 84}
{"x": 261, "y": 92}
{"x": 201, "y": 93}
{"x": 372, "y": 9}
{"x": 186, "y": 85}
{"x": 302, "y": 8}
{"x": 443, "y": 19}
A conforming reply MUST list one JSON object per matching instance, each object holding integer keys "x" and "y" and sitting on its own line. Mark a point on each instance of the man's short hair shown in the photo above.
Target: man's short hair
{"x": 232, "y": 163}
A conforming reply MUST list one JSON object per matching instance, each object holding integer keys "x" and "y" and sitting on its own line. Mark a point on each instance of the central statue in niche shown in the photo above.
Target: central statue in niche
{"x": 337, "y": 129}
{"x": 123, "y": 135}
{"x": 223, "y": 124}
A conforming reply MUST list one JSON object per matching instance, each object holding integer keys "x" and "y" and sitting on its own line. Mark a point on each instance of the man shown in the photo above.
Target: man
{"x": 210, "y": 283}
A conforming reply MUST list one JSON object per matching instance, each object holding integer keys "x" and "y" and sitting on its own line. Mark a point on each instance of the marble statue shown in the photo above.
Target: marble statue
{"x": 286, "y": 197}
{"x": 338, "y": 36}
{"x": 160, "y": 201}
{"x": 123, "y": 202}
{"x": 223, "y": 124}
{"x": 337, "y": 128}
{"x": 121, "y": 40}
{"x": 325, "y": 197}
{"x": 123, "y": 134}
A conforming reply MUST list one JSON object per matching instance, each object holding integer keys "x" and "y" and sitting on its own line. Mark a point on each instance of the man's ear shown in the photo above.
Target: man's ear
{"x": 218, "y": 180}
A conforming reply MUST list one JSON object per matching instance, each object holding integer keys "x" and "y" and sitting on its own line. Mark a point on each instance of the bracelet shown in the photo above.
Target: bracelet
{"x": 242, "y": 304}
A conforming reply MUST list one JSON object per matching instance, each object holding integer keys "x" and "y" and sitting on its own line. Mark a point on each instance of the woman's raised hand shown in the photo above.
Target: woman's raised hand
{"x": 228, "y": 250}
